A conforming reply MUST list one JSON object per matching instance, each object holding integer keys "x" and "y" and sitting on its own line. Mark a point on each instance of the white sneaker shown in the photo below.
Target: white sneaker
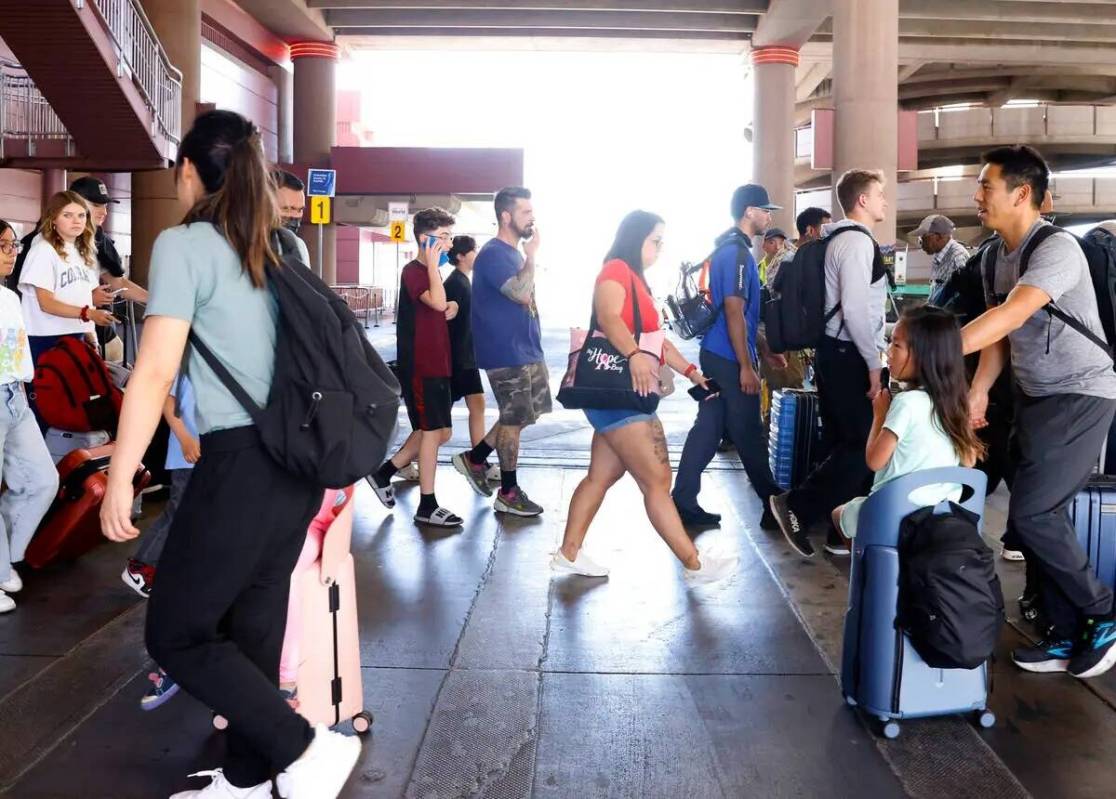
{"x": 408, "y": 474}
{"x": 221, "y": 788}
{"x": 493, "y": 473}
{"x": 7, "y": 604}
{"x": 714, "y": 567}
{"x": 13, "y": 585}
{"x": 1013, "y": 555}
{"x": 323, "y": 768}
{"x": 583, "y": 565}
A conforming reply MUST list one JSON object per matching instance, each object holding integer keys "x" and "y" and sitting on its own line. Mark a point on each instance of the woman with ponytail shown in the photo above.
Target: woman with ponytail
{"x": 217, "y": 612}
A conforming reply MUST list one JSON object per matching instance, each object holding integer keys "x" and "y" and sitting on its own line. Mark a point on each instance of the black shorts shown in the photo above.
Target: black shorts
{"x": 466, "y": 382}
{"x": 428, "y": 402}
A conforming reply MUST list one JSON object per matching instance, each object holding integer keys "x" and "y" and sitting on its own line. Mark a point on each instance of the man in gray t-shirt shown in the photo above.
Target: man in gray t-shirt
{"x": 1065, "y": 400}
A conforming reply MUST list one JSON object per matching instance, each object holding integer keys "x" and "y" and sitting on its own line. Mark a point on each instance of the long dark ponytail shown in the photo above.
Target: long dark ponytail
{"x": 934, "y": 339}
{"x": 226, "y": 150}
{"x": 628, "y": 244}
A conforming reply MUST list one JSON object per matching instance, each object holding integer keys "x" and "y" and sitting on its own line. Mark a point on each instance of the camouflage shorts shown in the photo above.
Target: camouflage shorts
{"x": 522, "y": 393}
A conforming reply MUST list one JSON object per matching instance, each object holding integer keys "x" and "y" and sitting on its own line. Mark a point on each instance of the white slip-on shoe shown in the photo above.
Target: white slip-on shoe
{"x": 714, "y": 567}
{"x": 1013, "y": 555}
{"x": 7, "y": 604}
{"x": 323, "y": 768}
{"x": 439, "y": 517}
{"x": 220, "y": 788}
{"x": 13, "y": 585}
{"x": 582, "y": 565}
{"x": 408, "y": 474}
{"x": 386, "y": 494}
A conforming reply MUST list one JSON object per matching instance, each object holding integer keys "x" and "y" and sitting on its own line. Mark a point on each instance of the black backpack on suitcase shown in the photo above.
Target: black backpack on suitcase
{"x": 950, "y": 602}
{"x": 333, "y": 404}
{"x": 794, "y": 315}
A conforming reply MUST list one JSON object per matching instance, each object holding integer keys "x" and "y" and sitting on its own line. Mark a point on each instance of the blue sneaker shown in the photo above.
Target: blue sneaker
{"x": 163, "y": 688}
{"x": 1048, "y": 656}
{"x": 1098, "y": 649}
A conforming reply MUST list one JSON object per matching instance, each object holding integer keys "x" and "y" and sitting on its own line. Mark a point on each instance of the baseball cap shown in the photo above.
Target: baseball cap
{"x": 774, "y": 233}
{"x": 935, "y": 223}
{"x": 92, "y": 190}
{"x": 751, "y": 195}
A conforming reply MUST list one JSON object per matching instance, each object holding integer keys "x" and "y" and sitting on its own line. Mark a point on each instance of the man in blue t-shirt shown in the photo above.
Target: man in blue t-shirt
{"x": 507, "y": 340}
{"x": 730, "y": 357}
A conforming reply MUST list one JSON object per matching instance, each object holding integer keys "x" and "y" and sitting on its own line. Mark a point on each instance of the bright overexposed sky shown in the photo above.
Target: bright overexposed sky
{"x": 603, "y": 133}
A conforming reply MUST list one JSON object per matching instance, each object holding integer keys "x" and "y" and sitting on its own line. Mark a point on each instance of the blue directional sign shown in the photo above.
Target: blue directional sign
{"x": 321, "y": 182}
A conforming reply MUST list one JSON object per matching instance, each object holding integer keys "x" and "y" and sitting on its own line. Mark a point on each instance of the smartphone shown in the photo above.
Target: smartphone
{"x": 885, "y": 379}
{"x": 701, "y": 394}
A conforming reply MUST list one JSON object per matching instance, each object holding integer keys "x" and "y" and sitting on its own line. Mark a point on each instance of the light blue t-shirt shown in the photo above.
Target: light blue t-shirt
{"x": 727, "y": 278}
{"x": 185, "y": 395}
{"x": 923, "y": 444}
{"x": 196, "y": 276}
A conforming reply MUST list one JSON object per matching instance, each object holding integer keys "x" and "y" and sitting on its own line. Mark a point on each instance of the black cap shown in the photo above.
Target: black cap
{"x": 92, "y": 190}
{"x": 751, "y": 195}
{"x": 774, "y": 233}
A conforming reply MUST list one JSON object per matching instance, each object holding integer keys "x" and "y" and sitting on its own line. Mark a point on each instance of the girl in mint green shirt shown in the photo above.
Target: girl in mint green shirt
{"x": 926, "y": 426}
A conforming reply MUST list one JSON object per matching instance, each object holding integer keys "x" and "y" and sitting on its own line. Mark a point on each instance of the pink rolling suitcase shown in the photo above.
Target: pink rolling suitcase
{"x": 329, "y": 681}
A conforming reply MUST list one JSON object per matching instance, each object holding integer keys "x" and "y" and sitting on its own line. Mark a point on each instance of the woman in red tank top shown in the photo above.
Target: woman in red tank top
{"x": 627, "y": 441}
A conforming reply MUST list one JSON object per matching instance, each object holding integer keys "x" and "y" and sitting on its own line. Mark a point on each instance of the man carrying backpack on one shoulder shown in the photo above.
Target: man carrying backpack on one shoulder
{"x": 847, "y": 360}
{"x": 729, "y": 355}
{"x": 1044, "y": 315}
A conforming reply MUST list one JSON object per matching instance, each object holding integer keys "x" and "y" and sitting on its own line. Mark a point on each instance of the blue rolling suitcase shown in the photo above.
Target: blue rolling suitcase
{"x": 794, "y": 443}
{"x": 1094, "y": 517}
{"x": 881, "y": 671}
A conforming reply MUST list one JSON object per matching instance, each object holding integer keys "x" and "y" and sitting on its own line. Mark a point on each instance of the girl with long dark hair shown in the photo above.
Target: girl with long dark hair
{"x": 926, "y": 426}
{"x": 629, "y": 441}
{"x": 217, "y": 612}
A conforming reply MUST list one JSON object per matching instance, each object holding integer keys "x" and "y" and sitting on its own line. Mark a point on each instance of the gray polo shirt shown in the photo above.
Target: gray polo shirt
{"x": 1047, "y": 356}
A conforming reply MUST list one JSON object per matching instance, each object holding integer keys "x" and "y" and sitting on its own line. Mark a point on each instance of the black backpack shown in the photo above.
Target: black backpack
{"x": 794, "y": 315}
{"x": 1099, "y": 248}
{"x": 693, "y": 312}
{"x": 12, "y": 280}
{"x": 950, "y": 602}
{"x": 332, "y": 409}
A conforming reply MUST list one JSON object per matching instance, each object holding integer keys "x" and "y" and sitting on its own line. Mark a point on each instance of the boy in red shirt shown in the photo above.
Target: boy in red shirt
{"x": 423, "y": 357}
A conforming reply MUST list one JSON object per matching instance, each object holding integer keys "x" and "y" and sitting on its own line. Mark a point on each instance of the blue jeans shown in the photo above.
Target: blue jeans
{"x": 29, "y": 472}
{"x": 733, "y": 413}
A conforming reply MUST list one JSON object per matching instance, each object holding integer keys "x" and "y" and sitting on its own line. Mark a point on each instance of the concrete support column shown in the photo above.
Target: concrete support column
{"x": 773, "y": 128}
{"x": 154, "y": 200}
{"x": 315, "y": 132}
{"x": 284, "y": 85}
{"x": 866, "y": 94}
{"x": 54, "y": 181}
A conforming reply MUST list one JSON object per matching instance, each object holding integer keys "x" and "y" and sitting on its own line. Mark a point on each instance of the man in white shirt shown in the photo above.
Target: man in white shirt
{"x": 847, "y": 362}
{"x": 947, "y": 254}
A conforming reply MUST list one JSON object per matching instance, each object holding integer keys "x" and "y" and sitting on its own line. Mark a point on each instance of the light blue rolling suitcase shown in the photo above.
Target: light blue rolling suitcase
{"x": 880, "y": 670}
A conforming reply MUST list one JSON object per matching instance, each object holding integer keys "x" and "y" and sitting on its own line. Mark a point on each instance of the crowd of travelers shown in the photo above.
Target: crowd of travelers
{"x": 890, "y": 405}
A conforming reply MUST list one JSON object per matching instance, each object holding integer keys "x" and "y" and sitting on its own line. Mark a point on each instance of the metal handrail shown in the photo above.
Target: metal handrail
{"x": 142, "y": 54}
{"x": 24, "y": 112}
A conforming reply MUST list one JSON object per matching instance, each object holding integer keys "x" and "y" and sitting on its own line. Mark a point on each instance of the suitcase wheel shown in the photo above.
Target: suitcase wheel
{"x": 987, "y": 719}
{"x": 850, "y": 701}
{"x": 220, "y": 722}
{"x": 362, "y": 722}
{"x": 891, "y": 729}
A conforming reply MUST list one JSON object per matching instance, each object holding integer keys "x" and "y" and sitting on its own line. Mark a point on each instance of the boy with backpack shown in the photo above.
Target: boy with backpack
{"x": 1046, "y": 315}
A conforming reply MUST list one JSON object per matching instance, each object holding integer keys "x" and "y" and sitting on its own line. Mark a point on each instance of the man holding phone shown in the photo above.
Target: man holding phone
{"x": 729, "y": 357}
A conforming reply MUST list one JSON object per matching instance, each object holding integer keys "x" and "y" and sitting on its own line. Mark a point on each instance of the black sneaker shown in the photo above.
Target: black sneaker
{"x": 768, "y": 521}
{"x": 1047, "y": 656}
{"x": 836, "y": 544}
{"x": 698, "y": 517}
{"x": 792, "y": 529}
{"x": 1098, "y": 649}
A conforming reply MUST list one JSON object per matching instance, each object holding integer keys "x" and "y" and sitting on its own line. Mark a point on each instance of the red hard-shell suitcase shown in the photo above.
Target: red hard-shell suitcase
{"x": 330, "y": 689}
{"x": 72, "y": 526}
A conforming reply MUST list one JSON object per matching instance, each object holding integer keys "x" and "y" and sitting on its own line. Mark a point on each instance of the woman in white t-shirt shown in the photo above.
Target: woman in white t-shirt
{"x": 27, "y": 468}
{"x": 60, "y": 276}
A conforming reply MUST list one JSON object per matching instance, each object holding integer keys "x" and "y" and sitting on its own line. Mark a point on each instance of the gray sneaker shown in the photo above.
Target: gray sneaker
{"x": 517, "y": 503}
{"x": 476, "y": 475}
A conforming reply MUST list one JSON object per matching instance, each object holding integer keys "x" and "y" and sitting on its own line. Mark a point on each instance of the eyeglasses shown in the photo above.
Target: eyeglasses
{"x": 11, "y": 246}
{"x": 446, "y": 237}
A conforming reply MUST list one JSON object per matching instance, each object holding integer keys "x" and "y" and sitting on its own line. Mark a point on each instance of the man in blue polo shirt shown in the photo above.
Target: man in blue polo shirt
{"x": 730, "y": 357}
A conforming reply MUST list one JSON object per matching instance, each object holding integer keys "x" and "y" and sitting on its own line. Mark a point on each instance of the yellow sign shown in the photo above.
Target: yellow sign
{"x": 319, "y": 210}
{"x": 398, "y": 231}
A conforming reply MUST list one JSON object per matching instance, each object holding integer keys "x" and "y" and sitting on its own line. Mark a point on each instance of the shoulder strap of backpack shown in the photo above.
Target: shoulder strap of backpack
{"x": 832, "y": 312}
{"x": 1041, "y": 235}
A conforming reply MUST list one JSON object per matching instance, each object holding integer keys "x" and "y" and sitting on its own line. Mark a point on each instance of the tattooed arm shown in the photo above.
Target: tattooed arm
{"x": 521, "y": 286}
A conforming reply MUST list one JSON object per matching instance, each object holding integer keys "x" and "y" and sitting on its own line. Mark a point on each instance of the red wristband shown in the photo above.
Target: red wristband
{"x": 690, "y": 370}
{"x": 85, "y": 313}
{"x": 632, "y": 354}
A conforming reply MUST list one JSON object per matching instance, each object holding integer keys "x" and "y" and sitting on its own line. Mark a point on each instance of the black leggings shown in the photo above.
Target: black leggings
{"x": 218, "y": 609}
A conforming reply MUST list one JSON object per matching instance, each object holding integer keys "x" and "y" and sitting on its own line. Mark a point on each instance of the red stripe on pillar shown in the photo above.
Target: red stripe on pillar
{"x": 314, "y": 50}
{"x": 775, "y": 55}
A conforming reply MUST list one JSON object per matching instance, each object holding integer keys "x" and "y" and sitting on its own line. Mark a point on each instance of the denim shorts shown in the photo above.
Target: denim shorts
{"x": 604, "y": 421}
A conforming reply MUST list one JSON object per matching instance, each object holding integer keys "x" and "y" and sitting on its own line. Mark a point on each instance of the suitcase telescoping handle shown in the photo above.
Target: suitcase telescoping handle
{"x": 335, "y": 546}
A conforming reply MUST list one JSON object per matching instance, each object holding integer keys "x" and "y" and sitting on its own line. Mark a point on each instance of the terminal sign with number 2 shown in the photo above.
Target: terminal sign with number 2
{"x": 399, "y": 231}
